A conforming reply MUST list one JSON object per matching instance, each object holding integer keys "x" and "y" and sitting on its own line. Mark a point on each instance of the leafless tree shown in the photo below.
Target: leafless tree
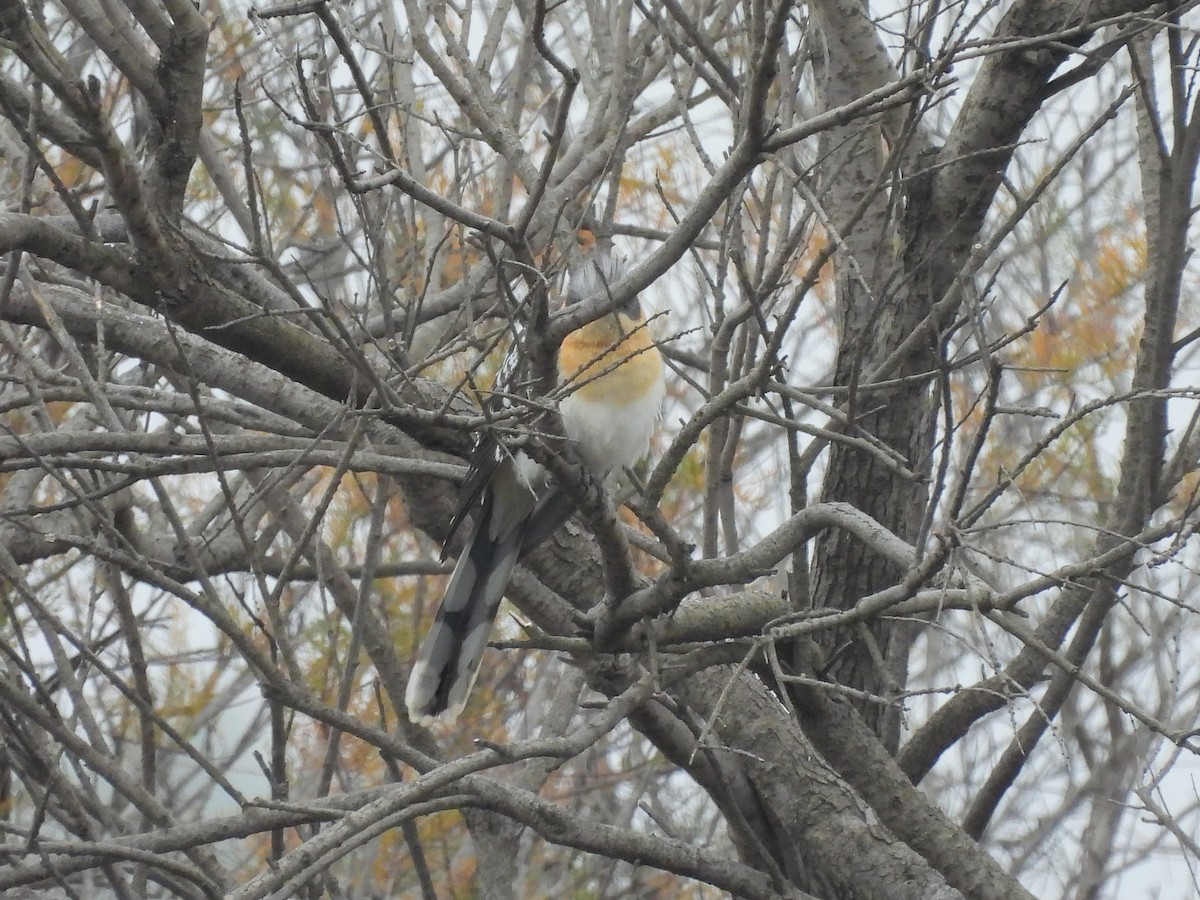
{"x": 901, "y": 604}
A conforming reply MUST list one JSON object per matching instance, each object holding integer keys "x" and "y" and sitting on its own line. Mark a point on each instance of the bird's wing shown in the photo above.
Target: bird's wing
{"x": 488, "y": 452}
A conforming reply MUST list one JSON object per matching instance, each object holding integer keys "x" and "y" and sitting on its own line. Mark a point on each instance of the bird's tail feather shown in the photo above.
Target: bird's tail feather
{"x": 449, "y": 658}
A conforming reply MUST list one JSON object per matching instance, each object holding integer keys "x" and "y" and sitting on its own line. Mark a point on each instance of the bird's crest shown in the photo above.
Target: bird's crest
{"x": 597, "y": 273}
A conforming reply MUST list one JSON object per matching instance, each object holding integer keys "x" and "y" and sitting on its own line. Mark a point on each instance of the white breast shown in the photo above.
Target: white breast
{"x": 612, "y": 435}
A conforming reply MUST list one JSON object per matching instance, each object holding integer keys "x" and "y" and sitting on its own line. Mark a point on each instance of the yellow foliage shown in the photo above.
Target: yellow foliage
{"x": 1185, "y": 493}
{"x": 1086, "y": 327}
{"x": 72, "y": 172}
{"x": 1088, "y": 337}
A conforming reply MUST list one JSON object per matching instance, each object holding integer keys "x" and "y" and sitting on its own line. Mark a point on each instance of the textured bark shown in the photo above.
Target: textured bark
{"x": 876, "y": 314}
{"x": 824, "y": 833}
{"x": 905, "y": 300}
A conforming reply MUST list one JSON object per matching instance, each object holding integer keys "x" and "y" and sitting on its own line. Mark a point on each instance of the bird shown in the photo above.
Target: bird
{"x": 611, "y": 372}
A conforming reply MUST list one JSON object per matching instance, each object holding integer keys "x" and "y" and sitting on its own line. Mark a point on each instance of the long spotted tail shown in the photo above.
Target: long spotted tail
{"x": 448, "y": 661}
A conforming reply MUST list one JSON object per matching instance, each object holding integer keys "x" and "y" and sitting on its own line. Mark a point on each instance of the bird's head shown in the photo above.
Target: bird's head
{"x": 597, "y": 272}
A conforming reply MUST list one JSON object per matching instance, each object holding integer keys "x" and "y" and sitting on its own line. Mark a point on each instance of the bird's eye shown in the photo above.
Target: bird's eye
{"x": 632, "y": 309}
